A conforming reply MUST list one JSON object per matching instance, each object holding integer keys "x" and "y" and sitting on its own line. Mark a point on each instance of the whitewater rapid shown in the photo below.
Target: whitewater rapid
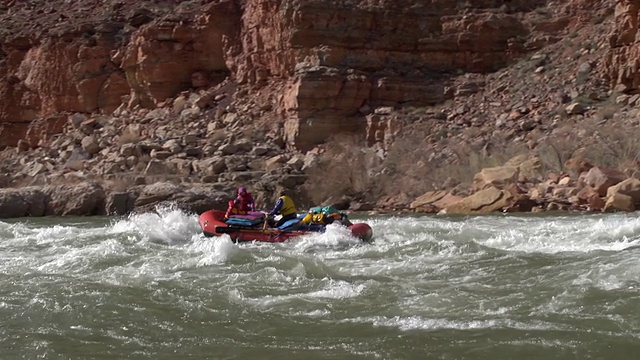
{"x": 151, "y": 284}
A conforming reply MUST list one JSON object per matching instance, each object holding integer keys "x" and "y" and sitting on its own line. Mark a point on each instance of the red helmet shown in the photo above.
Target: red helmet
{"x": 242, "y": 190}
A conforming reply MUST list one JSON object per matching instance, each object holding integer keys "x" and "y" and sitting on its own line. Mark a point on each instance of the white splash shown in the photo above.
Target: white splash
{"x": 166, "y": 225}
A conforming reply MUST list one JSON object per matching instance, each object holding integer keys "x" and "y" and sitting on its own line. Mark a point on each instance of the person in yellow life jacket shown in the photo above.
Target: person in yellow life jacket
{"x": 284, "y": 206}
{"x": 324, "y": 216}
{"x": 316, "y": 219}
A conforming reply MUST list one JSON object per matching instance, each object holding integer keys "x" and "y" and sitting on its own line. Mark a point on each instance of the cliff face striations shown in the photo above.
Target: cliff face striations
{"x": 326, "y": 64}
{"x": 622, "y": 63}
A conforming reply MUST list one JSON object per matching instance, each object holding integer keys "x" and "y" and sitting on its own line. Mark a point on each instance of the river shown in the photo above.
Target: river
{"x": 150, "y": 286}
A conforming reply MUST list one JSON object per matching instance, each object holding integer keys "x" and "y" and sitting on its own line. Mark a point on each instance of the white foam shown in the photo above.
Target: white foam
{"x": 334, "y": 235}
{"x": 338, "y": 290}
{"x": 422, "y": 323}
{"x": 166, "y": 225}
{"x": 585, "y": 233}
{"x": 332, "y": 289}
{"x": 211, "y": 251}
{"x": 567, "y": 234}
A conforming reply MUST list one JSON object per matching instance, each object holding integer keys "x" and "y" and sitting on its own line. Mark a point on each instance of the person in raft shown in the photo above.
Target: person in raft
{"x": 285, "y": 207}
{"x": 324, "y": 216}
{"x": 232, "y": 209}
{"x": 244, "y": 200}
{"x": 241, "y": 205}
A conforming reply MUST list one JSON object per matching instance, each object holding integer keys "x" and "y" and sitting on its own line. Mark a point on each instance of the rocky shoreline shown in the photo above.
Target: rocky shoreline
{"x": 191, "y": 152}
{"x": 137, "y": 159}
{"x": 90, "y": 198}
{"x": 498, "y": 189}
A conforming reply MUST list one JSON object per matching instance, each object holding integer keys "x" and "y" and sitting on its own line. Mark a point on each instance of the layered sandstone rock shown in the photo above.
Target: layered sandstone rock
{"x": 60, "y": 74}
{"x": 621, "y": 64}
{"x": 166, "y": 58}
{"x": 336, "y": 59}
{"x": 380, "y": 54}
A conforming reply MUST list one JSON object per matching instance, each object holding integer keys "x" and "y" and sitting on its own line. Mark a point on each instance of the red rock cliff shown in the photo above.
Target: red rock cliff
{"x": 622, "y": 63}
{"x": 328, "y": 62}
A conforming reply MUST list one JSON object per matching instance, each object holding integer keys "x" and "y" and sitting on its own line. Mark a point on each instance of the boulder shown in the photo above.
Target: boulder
{"x": 446, "y": 201}
{"x": 155, "y": 193}
{"x": 22, "y": 202}
{"x": 275, "y": 162}
{"x": 210, "y": 166}
{"x": 90, "y": 145}
{"x": 499, "y": 177}
{"x": 564, "y": 192}
{"x": 620, "y": 202}
{"x": 629, "y": 187}
{"x": 427, "y": 199}
{"x": 520, "y": 203}
{"x": 200, "y": 198}
{"x": 600, "y": 179}
{"x": 530, "y": 167}
{"x": 588, "y": 195}
{"x": 156, "y": 167}
{"x": 119, "y": 203}
{"x": 483, "y": 202}
{"x": 86, "y": 198}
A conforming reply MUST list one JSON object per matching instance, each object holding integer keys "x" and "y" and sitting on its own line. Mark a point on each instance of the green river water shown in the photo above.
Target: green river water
{"x": 150, "y": 286}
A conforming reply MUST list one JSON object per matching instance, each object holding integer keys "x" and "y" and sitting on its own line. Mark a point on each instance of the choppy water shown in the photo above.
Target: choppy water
{"x": 151, "y": 287}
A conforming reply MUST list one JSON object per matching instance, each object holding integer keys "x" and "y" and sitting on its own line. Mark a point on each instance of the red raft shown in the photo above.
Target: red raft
{"x": 213, "y": 223}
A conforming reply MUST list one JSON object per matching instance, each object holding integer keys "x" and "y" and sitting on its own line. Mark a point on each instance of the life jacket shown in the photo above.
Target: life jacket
{"x": 319, "y": 219}
{"x": 288, "y": 206}
{"x": 314, "y": 219}
{"x": 233, "y": 210}
{"x": 323, "y": 215}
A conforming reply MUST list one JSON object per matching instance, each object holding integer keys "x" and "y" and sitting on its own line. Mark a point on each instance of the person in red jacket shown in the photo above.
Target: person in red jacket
{"x": 232, "y": 210}
{"x": 244, "y": 200}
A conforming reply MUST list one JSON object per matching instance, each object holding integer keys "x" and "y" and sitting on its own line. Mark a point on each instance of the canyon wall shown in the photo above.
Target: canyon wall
{"x": 329, "y": 63}
{"x": 622, "y": 65}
